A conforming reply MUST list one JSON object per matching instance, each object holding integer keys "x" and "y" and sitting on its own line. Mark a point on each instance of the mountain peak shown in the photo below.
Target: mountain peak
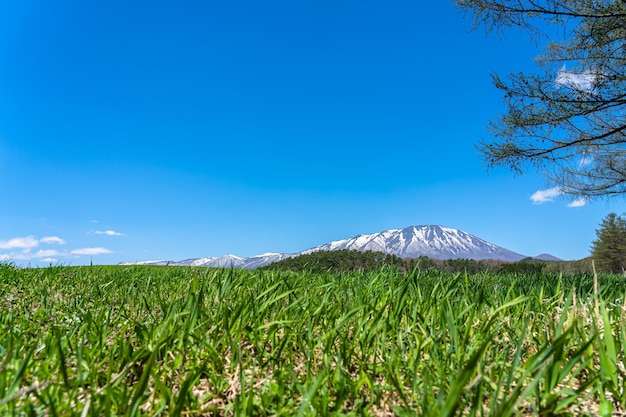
{"x": 433, "y": 241}
{"x": 547, "y": 257}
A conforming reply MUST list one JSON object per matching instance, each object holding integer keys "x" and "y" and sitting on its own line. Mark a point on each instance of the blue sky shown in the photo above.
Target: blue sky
{"x": 168, "y": 130}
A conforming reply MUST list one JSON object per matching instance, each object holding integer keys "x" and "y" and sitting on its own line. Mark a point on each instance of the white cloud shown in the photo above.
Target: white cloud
{"x": 548, "y": 196}
{"x": 545, "y": 196}
{"x": 579, "y": 202}
{"x": 583, "y": 81}
{"x": 45, "y": 253}
{"x": 91, "y": 251}
{"x": 24, "y": 249}
{"x": 585, "y": 160}
{"x": 52, "y": 239}
{"x": 27, "y": 255}
{"x": 108, "y": 232}
{"x": 49, "y": 260}
{"x": 22, "y": 256}
{"x": 26, "y": 243}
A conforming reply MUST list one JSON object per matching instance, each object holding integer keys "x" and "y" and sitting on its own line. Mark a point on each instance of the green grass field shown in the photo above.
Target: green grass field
{"x": 98, "y": 341}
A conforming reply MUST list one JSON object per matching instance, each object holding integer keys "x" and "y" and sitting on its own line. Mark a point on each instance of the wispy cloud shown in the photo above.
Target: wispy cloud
{"x": 26, "y": 243}
{"x": 31, "y": 248}
{"x": 52, "y": 239}
{"x": 545, "y": 196}
{"x": 579, "y": 202}
{"x": 91, "y": 251}
{"x": 42, "y": 253}
{"x": 548, "y": 196}
{"x": 582, "y": 81}
{"x": 21, "y": 256}
{"x": 49, "y": 260}
{"x": 108, "y": 233}
{"x": 29, "y": 242}
{"x": 585, "y": 160}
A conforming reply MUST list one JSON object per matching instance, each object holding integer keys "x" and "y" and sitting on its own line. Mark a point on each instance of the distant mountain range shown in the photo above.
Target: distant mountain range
{"x": 436, "y": 242}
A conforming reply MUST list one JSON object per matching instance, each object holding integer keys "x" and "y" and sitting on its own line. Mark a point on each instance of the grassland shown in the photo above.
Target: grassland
{"x": 100, "y": 341}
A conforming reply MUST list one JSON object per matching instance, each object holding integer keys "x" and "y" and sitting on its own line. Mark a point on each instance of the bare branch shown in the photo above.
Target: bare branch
{"x": 577, "y": 107}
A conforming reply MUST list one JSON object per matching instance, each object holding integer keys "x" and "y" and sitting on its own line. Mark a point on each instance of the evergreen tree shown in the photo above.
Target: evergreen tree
{"x": 525, "y": 266}
{"x": 609, "y": 250}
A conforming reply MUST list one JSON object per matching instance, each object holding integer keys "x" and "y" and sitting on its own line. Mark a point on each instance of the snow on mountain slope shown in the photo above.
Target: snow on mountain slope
{"x": 160, "y": 263}
{"x": 258, "y": 261}
{"x": 226, "y": 261}
{"x": 437, "y": 242}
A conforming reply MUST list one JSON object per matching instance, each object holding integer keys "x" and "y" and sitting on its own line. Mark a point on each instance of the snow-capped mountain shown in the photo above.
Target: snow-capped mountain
{"x": 226, "y": 261}
{"x": 437, "y": 242}
{"x": 258, "y": 261}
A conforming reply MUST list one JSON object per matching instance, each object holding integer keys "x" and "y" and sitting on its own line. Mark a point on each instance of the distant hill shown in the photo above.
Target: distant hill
{"x": 547, "y": 257}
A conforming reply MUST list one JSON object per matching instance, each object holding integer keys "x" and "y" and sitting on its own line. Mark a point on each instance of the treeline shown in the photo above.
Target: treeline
{"x": 351, "y": 260}
{"x": 473, "y": 266}
{"x": 524, "y": 266}
{"x": 338, "y": 261}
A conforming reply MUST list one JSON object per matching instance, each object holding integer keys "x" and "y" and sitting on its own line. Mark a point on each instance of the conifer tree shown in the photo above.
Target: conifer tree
{"x": 609, "y": 250}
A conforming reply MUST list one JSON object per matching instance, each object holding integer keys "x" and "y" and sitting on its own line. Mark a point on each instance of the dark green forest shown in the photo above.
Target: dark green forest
{"x": 340, "y": 261}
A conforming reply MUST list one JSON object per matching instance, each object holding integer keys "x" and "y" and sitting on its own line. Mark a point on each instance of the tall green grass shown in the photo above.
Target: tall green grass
{"x": 105, "y": 341}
